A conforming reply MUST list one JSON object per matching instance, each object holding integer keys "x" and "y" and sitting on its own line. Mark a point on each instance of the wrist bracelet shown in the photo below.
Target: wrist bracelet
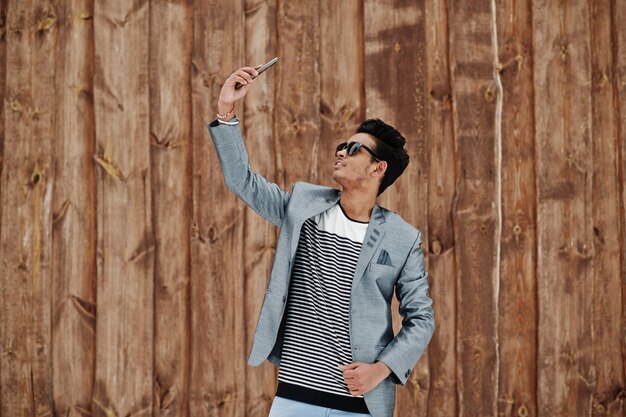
{"x": 234, "y": 121}
{"x": 223, "y": 117}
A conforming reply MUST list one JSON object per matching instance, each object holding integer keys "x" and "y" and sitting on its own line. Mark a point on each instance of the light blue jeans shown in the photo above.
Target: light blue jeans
{"x": 283, "y": 407}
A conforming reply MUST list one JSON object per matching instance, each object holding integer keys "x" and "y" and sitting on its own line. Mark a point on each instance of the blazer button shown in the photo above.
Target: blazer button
{"x": 284, "y": 298}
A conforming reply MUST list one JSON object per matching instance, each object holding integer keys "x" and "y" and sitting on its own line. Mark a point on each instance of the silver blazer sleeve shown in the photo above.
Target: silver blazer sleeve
{"x": 263, "y": 196}
{"x": 418, "y": 322}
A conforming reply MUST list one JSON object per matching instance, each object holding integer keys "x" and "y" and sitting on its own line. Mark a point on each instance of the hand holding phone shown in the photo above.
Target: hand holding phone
{"x": 237, "y": 85}
{"x": 259, "y": 71}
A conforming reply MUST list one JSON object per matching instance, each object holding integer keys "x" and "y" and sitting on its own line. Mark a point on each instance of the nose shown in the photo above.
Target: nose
{"x": 342, "y": 153}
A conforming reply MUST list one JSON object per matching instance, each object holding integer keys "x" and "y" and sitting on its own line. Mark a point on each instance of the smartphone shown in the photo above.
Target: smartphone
{"x": 269, "y": 64}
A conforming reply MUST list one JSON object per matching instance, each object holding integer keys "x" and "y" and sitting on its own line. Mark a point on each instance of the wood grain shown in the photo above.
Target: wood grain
{"x": 475, "y": 95}
{"x": 517, "y": 312}
{"x": 395, "y": 74}
{"x": 3, "y": 68}
{"x": 608, "y": 395}
{"x": 74, "y": 217}
{"x": 260, "y": 241}
{"x": 442, "y": 398}
{"x": 342, "y": 99}
{"x": 3, "y": 63}
{"x": 125, "y": 238}
{"x": 170, "y": 166}
{"x": 297, "y": 103}
{"x": 618, "y": 48}
{"x": 131, "y": 279}
{"x": 562, "y": 79}
{"x": 26, "y": 234}
{"x": 217, "y": 384}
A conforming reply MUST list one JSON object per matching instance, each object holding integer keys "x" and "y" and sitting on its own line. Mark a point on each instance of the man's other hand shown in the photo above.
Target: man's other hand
{"x": 364, "y": 377}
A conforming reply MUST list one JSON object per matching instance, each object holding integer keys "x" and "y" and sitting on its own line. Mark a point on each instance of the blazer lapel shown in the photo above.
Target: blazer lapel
{"x": 373, "y": 237}
{"x": 308, "y": 211}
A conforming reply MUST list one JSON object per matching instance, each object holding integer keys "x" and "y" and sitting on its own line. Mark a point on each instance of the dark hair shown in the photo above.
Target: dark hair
{"x": 389, "y": 146}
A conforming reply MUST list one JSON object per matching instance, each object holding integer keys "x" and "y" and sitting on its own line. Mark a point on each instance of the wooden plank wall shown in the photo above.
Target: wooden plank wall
{"x": 74, "y": 218}
{"x": 394, "y": 35}
{"x": 563, "y": 134}
{"x": 517, "y": 325}
{"x": 260, "y": 241}
{"x": 125, "y": 248}
{"x": 217, "y": 383}
{"x": 131, "y": 279}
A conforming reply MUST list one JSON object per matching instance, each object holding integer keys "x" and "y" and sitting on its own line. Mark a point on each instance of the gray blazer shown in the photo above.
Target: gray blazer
{"x": 391, "y": 259}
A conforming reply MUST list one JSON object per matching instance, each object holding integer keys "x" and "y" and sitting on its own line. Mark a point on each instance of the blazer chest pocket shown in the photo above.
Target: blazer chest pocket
{"x": 384, "y": 276}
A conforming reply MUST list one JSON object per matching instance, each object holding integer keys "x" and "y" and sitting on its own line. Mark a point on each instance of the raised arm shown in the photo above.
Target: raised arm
{"x": 265, "y": 197}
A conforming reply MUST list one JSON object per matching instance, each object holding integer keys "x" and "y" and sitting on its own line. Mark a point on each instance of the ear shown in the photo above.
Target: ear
{"x": 381, "y": 168}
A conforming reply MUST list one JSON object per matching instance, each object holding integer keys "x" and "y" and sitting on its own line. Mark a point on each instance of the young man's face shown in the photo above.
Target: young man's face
{"x": 357, "y": 171}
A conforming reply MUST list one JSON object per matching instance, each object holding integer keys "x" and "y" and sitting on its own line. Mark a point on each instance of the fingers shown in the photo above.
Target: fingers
{"x": 240, "y": 79}
{"x": 249, "y": 73}
{"x": 355, "y": 389}
{"x": 349, "y": 366}
{"x": 350, "y": 378}
{"x": 244, "y": 76}
{"x": 252, "y": 70}
{"x": 237, "y": 85}
{"x": 355, "y": 378}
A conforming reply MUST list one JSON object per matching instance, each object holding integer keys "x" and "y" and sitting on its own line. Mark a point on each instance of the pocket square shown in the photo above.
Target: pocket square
{"x": 384, "y": 259}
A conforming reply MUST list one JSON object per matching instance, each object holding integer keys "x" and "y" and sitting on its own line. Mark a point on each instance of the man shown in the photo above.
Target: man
{"x": 325, "y": 319}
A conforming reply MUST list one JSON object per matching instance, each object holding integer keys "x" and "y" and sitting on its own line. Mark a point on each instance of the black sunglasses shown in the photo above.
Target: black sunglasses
{"x": 353, "y": 147}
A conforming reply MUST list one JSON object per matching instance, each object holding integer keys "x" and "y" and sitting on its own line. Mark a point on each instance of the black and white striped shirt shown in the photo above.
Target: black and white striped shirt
{"x": 317, "y": 329}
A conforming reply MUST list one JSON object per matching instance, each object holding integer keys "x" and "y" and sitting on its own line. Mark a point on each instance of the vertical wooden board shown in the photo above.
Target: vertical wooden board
{"x": 618, "y": 49}
{"x": 517, "y": 324}
{"x": 442, "y": 399}
{"x": 125, "y": 241}
{"x": 342, "y": 100}
{"x": 566, "y": 372}
{"x": 474, "y": 94}
{"x": 297, "y": 103}
{"x": 218, "y": 352}
{"x": 260, "y": 241}
{"x": 3, "y": 65}
{"x": 171, "y": 40}
{"x": 27, "y": 179}
{"x": 395, "y": 74}
{"x": 607, "y": 282}
{"x": 3, "y": 50}
{"x": 74, "y": 220}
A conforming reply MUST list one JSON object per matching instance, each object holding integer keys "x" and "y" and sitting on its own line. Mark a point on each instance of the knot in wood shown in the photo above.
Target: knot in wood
{"x": 490, "y": 94}
{"x": 15, "y": 106}
{"x": 522, "y": 411}
{"x": 563, "y": 50}
{"x": 46, "y": 23}
{"x": 436, "y": 247}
